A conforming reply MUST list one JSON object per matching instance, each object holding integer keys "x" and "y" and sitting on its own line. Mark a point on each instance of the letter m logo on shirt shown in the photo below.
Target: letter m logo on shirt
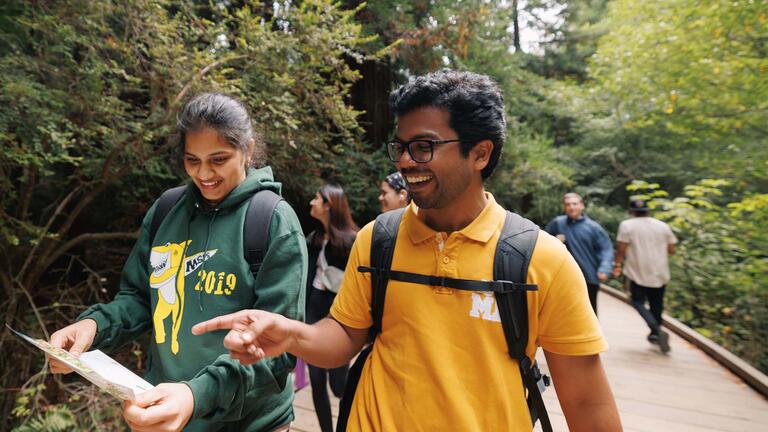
{"x": 484, "y": 307}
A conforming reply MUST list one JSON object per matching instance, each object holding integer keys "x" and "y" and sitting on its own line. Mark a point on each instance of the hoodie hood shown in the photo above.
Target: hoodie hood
{"x": 257, "y": 179}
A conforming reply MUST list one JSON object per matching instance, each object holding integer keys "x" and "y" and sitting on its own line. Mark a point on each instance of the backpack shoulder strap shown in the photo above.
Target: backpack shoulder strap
{"x": 258, "y": 218}
{"x": 513, "y": 255}
{"x": 382, "y": 249}
{"x": 165, "y": 203}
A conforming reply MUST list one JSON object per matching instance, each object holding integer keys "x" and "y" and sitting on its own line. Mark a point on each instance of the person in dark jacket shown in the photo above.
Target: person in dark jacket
{"x": 329, "y": 248}
{"x": 194, "y": 269}
{"x": 587, "y": 241}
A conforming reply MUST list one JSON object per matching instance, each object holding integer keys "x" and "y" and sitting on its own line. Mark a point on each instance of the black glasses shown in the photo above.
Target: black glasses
{"x": 420, "y": 150}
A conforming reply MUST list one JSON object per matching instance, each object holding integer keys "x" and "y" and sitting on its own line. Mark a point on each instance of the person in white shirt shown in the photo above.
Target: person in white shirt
{"x": 646, "y": 242}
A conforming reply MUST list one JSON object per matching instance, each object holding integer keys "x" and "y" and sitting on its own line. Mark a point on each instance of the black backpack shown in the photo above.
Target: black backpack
{"x": 255, "y": 228}
{"x": 510, "y": 270}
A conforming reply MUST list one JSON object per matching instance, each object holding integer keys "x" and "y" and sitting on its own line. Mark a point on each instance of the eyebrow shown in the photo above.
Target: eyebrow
{"x": 218, "y": 153}
{"x": 418, "y": 136}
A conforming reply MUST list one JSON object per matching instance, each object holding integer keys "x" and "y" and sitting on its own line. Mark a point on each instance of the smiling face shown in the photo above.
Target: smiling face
{"x": 213, "y": 164}
{"x": 443, "y": 180}
{"x": 389, "y": 198}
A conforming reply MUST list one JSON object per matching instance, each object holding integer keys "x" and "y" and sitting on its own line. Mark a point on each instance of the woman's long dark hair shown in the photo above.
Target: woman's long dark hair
{"x": 342, "y": 227}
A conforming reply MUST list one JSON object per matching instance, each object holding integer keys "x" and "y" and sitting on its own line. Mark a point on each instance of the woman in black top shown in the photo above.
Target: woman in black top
{"x": 329, "y": 248}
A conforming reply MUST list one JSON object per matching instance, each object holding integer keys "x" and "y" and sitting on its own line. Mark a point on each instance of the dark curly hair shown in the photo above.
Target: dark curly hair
{"x": 474, "y": 103}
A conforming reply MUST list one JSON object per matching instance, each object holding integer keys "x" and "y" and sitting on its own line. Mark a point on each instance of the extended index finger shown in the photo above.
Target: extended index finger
{"x": 231, "y": 321}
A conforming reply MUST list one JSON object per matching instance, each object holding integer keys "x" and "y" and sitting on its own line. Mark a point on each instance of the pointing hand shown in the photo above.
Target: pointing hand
{"x": 253, "y": 334}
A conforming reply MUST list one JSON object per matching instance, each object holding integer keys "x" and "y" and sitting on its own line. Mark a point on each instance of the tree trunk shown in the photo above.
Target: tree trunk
{"x": 516, "y": 26}
{"x": 371, "y": 95}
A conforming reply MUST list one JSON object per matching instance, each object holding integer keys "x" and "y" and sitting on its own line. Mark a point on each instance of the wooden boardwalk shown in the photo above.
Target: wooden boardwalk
{"x": 683, "y": 391}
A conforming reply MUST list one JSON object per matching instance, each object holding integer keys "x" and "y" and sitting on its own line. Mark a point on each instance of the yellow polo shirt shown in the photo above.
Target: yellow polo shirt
{"x": 441, "y": 361}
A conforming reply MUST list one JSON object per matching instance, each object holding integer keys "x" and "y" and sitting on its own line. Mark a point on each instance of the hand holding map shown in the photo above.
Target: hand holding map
{"x": 76, "y": 338}
{"x": 96, "y": 367}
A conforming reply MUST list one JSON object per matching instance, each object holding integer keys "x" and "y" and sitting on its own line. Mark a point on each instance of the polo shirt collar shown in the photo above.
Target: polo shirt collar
{"x": 481, "y": 229}
{"x": 582, "y": 218}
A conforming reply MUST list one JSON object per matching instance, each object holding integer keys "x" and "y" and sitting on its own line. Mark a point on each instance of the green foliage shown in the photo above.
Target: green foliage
{"x": 56, "y": 419}
{"x": 529, "y": 178}
{"x": 90, "y": 91}
{"x": 694, "y": 68}
{"x": 569, "y": 40}
{"x": 720, "y": 269}
{"x": 678, "y": 93}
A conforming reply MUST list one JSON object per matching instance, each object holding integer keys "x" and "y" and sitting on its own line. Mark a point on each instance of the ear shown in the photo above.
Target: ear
{"x": 481, "y": 154}
{"x": 249, "y": 152}
{"x": 403, "y": 194}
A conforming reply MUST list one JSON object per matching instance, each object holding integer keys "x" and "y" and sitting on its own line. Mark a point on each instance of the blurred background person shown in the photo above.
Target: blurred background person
{"x": 329, "y": 248}
{"x": 586, "y": 240}
{"x": 394, "y": 192}
{"x": 646, "y": 242}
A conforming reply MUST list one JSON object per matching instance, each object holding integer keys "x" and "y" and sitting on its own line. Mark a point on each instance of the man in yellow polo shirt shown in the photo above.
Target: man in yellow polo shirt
{"x": 441, "y": 361}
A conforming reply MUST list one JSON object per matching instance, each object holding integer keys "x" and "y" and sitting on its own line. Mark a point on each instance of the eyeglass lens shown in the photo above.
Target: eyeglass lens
{"x": 420, "y": 151}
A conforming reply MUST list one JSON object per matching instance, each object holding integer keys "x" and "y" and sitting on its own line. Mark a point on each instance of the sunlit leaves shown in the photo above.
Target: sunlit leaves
{"x": 696, "y": 70}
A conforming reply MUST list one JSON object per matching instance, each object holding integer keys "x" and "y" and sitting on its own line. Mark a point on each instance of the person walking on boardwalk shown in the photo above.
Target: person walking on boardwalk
{"x": 441, "y": 360}
{"x": 586, "y": 240}
{"x": 329, "y": 248}
{"x": 646, "y": 243}
{"x": 192, "y": 262}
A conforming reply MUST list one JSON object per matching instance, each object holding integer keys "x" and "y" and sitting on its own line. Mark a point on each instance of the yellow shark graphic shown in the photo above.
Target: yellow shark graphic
{"x": 168, "y": 279}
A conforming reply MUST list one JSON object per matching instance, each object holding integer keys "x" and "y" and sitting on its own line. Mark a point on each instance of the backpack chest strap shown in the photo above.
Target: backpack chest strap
{"x": 497, "y": 286}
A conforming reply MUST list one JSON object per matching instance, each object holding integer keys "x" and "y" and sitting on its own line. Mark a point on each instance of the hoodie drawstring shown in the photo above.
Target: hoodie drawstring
{"x": 205, "y": 253}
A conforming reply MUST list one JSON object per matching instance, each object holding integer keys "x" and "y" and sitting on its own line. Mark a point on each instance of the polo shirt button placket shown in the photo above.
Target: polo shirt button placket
{"x": 445, "y": 261}
{"x": 440, "y": 242}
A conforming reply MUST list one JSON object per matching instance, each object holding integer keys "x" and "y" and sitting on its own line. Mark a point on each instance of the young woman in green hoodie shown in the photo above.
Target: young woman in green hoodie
{"x": 193, "y": 270}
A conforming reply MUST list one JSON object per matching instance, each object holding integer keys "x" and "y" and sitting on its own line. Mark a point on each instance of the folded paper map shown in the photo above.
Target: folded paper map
{"x": 96, "y": 367}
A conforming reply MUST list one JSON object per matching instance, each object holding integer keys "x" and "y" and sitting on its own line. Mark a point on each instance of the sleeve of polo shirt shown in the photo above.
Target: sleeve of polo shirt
{"x": 567, "y": 325}
{"x": 623, "y": 234}
{"x": 671, "y": 239}
{"x": 605, "y": 251}
{"x": 352, "y": 306}
{"x": 553, "y": 227}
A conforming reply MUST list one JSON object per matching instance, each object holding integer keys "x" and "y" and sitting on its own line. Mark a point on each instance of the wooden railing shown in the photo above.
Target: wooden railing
{"x": 753, "y": 377}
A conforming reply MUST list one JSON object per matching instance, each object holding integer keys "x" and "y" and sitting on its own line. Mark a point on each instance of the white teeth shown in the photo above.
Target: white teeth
{"x": 417, "y": 179}
{"x": 209, "y": 184}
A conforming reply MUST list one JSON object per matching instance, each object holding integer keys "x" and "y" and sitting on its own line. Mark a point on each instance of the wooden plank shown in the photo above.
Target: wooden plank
{"x": 682, "y": 391}
{"x": 304, "y": 409}
{"x": 747, "y": 372}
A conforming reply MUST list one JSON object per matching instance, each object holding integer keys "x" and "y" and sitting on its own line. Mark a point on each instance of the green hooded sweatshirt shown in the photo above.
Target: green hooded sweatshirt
{"x": 195, "y": 270}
